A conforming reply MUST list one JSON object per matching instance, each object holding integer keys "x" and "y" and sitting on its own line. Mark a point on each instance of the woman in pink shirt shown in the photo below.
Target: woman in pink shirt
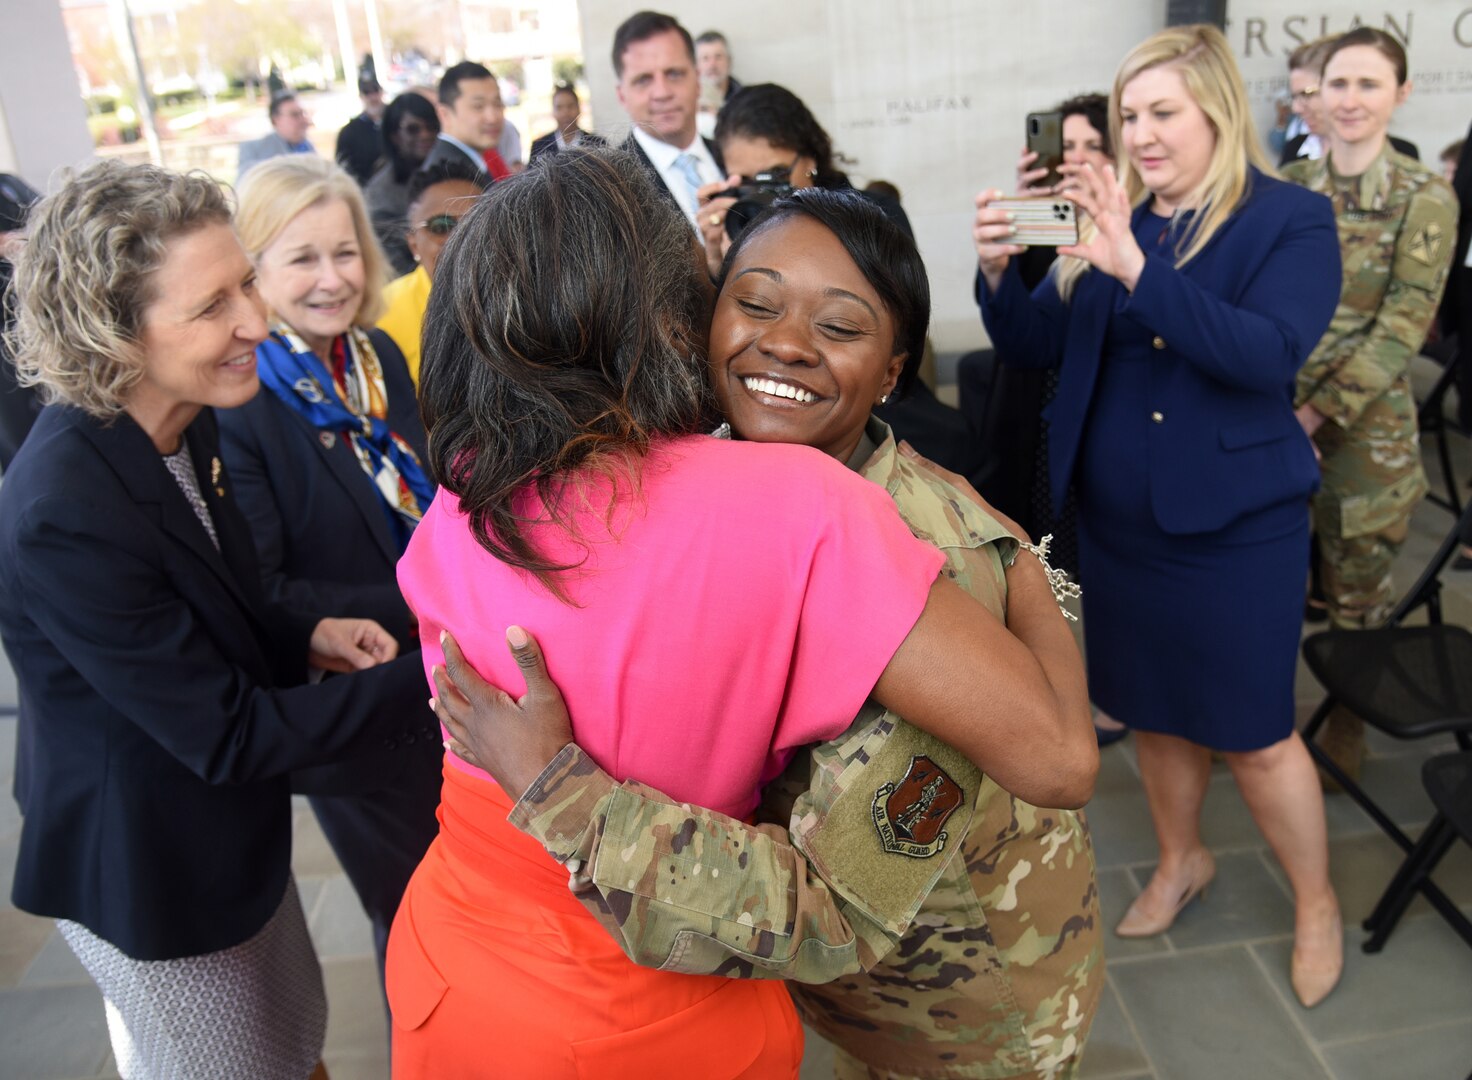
{"x": 689, "y": 585}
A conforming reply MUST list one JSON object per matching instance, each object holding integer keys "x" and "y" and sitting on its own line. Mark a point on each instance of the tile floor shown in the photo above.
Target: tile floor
{"x": 1208, "y": 1000}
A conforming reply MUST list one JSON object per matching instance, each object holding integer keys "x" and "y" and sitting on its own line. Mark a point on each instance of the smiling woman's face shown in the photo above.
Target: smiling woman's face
{"x": 801, "y": 346}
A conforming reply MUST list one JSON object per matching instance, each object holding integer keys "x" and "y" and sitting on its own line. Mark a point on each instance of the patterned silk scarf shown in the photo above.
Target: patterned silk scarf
{"x": 355, "y": 406}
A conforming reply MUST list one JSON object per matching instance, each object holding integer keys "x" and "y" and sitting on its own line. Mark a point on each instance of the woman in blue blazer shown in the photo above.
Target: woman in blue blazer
{"x": 164, "y": 700}
{"x": 326, "y": 462}
{"x": 1178, "y": 322}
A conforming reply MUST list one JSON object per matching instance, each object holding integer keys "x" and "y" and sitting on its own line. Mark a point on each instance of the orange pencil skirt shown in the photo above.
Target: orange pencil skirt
{"x": 495, "y": 970}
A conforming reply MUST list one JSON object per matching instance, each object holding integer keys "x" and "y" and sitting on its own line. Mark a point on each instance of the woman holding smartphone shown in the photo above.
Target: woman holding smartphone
{"x": 1177, "y": 325}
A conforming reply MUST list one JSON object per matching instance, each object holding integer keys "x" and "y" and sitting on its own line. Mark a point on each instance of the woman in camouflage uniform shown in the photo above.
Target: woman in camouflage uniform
{"x": 934, "y": 925}
{"x": 1397, "y": 229}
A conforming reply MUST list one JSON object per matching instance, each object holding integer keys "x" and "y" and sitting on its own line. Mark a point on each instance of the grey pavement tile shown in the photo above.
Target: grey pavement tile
{"x": 339, "y": 927}
{"x": 1119, "y": 824}
{"x": 1394, "y": 783}
{"x": 7, "y": 738}
{"x": 310, "y": 890}
{"x": 1423, "y": 976}
{"x": 311, "y": 854}
{"x": 1117, "y": 888}
{"x": 1117, "y": 771}
{"x": 9, "y": 812}
{"x": 52, "y": 1032}
{"x": 1362, "y": 866}
{"x": 1226, "y": 823}
{"x": 55, "y": 965}
{"x": 1210, "y": 1015}
{"x": 817, "y": 1057}
{"x": 356, "y": 1066}
{"x": 357, "y": 1016}
{"x": 1443, "y": 1052}
{"x": 1112, "y": 1050}
{"x": 9, "y": 695}
{"x": 22, "y": 937}
{"x": 1243, "y": 903}
{"x": 9, "y": 852}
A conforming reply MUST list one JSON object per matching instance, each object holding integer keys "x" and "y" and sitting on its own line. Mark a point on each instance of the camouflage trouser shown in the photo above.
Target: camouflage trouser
{"x": 848, "y": 1067}
{"x": 1372, "y": 481}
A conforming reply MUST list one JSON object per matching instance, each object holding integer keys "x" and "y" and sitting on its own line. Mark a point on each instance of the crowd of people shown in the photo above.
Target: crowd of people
{"x": 740, "y": 710}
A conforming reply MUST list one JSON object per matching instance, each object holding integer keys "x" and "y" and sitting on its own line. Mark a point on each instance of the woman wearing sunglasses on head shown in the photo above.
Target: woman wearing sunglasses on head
{"x": 439, "y": 197}
{"x": 326, "y": 463}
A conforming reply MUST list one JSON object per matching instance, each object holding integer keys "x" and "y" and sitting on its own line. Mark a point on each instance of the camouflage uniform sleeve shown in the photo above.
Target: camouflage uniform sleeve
{"x": 687, "y": 889}
{"x": 1373, "y": 362}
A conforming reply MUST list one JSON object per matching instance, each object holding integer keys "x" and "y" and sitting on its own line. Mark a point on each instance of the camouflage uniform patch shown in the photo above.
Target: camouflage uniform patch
{"x": 982, "y": 959}
{"x": 911, "y": 814}
{"x": 1394, "y": 225}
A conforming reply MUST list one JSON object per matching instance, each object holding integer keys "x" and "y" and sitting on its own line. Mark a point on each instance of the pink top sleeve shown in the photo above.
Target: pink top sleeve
{"x": 741, "y": 602}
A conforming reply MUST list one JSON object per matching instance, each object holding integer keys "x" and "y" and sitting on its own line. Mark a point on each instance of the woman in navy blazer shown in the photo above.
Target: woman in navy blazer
{"x": 335, "y": 427}
{"x": 163, "y": 697}
{"x": 1178, "y": 322}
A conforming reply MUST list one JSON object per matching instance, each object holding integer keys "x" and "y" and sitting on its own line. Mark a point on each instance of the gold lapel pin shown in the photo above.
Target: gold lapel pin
{"x": 215, "y": 470}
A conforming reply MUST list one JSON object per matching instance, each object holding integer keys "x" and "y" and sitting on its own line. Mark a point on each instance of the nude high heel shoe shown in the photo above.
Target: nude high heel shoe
{"x": 1140, "y": 924}
{"x": 1314, "y": 979}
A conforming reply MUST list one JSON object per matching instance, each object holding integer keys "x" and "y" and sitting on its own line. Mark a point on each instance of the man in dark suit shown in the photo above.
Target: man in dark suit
{"x": 472, "y": 118}
{"x": 360, "y": 142}
{"x": 654, "y": 59}
{"x": 566, "y": 108}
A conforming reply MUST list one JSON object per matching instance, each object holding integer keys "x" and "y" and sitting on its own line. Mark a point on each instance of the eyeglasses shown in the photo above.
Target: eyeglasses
{"x": 1306, "y": 93}
{"x": 439, "y": 225}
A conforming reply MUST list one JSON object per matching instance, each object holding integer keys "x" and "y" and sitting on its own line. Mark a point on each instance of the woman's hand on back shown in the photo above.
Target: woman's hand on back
{"x": 1112, "y": 248}
{"x": 513, "y": 740}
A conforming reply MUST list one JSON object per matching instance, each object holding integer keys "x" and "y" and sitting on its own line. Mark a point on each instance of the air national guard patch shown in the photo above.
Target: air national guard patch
{"x": 911, "y": 815}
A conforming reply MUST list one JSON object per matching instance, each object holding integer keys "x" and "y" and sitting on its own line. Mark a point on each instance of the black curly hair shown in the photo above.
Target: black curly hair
{"x": 775, "y": 113}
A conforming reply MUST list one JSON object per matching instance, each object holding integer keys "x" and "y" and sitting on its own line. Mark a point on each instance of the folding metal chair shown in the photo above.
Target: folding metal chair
{"x": 1410, "y": 682}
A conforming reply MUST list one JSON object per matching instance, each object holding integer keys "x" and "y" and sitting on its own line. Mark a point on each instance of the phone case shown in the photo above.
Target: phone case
{"x": 1041, "y": 222}
{"x": 1045, "y": 138}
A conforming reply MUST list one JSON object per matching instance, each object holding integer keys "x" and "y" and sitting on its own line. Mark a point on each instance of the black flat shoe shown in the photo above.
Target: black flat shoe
{"x": 1109, "y": 737}
{"x": 1315, "y": 611}
{"x": 1462, "y": 562}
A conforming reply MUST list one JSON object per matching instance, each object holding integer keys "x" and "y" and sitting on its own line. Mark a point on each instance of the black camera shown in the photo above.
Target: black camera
{"x": 752, "y": 198}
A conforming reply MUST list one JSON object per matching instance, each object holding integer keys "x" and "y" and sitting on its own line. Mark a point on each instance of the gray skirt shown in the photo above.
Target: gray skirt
{"x": 254, "y": 1011}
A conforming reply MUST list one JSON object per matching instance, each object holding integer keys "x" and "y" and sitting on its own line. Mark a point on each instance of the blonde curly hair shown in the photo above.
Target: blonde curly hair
{"x": 85, "y": 277}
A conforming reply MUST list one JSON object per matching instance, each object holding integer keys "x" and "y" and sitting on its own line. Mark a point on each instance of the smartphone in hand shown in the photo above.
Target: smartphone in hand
{"x": 1041, "y": 221}
{"x": 1045, "y": 138}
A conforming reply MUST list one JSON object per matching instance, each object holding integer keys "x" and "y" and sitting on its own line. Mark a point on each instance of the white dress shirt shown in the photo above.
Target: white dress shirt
{"x": 664, "y": 157}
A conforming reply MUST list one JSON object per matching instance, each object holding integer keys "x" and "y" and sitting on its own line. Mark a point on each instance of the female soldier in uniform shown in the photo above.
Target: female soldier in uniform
{"x": 932, "y": 923}
{"x": 1397, "y": 228}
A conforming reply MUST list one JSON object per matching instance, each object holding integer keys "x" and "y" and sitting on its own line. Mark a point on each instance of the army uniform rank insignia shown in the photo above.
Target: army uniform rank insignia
{"x": 911, "y": 814}
{"x": 1425, "y": 246}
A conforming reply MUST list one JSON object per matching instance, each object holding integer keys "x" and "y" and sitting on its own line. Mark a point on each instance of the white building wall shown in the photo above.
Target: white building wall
{"x": 931, "y": 94}
{"x": 43, "y": 123}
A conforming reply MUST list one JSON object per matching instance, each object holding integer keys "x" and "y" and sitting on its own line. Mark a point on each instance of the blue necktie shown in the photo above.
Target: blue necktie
{"x": 689, "y": 169}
